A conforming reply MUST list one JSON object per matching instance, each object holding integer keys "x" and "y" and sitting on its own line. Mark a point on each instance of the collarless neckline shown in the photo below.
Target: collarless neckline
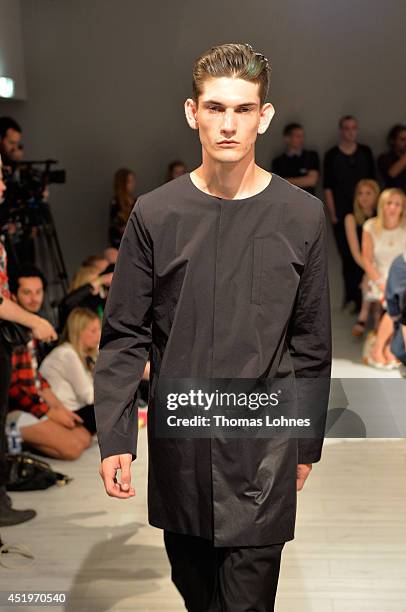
{"x": 206, "y": 195}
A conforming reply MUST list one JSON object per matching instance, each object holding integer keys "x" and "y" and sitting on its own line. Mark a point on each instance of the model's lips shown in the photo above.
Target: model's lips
{"x": 228, "y": 142}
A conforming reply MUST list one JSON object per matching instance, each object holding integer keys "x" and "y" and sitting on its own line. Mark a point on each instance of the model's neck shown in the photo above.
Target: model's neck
{"x": 230, "y": 180}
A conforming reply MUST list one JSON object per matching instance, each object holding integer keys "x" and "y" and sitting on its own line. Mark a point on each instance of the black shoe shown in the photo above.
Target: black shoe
{"x": 9, "y": 516}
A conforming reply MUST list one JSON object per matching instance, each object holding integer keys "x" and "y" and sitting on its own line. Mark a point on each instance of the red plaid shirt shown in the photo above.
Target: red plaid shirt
{"x": 26, "y": 381}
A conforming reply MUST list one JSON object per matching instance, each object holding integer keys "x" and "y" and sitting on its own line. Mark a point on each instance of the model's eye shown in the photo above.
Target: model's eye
{"x": 244, "y": 109}
{"x": 214, "y": 109}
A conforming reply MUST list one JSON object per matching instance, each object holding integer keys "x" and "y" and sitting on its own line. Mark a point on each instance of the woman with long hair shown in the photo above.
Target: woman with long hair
{"x": 68, "y": 369}
{"x": 365, "y": 201}
{"x": 121, "y": 204}
{"x": 383, "y": 239}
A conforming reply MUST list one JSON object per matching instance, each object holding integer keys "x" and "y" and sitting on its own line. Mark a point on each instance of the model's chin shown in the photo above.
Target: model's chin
{"x": 228, "y": 155}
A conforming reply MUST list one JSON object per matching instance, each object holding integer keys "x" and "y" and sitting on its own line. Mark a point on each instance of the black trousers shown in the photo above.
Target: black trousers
{"x": 223, "y": 579}
{"x": 352, "y": 273}
{"x": 5, "y": 374}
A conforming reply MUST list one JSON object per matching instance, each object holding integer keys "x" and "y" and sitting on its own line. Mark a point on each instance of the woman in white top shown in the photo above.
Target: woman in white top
{"x": 68, "y": 369}
{"x": 383, "y": 239}
{"x": 365, "y": 202}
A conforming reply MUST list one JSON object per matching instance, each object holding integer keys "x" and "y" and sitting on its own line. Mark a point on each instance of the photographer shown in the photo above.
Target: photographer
{"x": 42, "y": 330}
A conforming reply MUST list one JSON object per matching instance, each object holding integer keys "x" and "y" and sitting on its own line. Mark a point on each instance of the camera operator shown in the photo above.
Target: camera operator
{"x": 10, "y": 139}
{"x": 42, "y": 330}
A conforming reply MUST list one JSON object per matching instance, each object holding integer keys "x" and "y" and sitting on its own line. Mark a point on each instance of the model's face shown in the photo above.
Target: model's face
{"x": 349, "y": 130}
{"x": 10, "y": 142}
{"x": 295, "y": 140}
{"x": 30, "y": 293}
{"x": 393, "y": 209}
{"x": 229, "y": 117}
{"x": 400, "y": 142}
{"x": 90, "y": 335}
{"x": 366, "y": 198}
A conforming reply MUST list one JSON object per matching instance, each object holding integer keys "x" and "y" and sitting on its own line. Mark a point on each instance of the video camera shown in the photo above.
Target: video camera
{"x": 24, "y": 202}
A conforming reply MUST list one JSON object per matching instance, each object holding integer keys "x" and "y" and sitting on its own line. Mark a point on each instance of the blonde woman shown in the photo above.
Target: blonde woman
{"x": 383, "y": 239}
{"x": 68, "y": 369}
{"x": 365, "y": 202}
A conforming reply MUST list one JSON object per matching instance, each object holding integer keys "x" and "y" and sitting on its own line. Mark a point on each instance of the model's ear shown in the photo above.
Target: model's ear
{"x": 191, "y": 113}
{"x": 266, "y": 114}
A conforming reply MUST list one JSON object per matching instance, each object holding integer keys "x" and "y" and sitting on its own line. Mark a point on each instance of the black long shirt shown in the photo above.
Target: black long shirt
{"x": 216, "y": 288}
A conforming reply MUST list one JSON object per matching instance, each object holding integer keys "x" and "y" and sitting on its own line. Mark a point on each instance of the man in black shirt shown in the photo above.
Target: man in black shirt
{"x": 221, "y": 273}
{"x": 392, "y": 165}
{"x": 344, "y": 165}
{"x": 297, "y": 165}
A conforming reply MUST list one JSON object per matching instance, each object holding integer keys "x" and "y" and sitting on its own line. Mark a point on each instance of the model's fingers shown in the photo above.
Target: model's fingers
{"x": 125, "y": 475}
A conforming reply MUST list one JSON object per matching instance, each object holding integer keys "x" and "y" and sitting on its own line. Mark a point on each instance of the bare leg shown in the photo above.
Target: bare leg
{"x": 385, "y": 331}
{"x": 55, "y": 440}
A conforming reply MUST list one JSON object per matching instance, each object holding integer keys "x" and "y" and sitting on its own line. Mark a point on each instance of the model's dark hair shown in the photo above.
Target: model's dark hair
{"x": 288, "y": 129}
{"x": 8, "y": 123}
{"x": 345, "y": 118}
{"x": 394, "y": 132}
{"x": 237, "y": 60}
{"x": 25, "y": 270}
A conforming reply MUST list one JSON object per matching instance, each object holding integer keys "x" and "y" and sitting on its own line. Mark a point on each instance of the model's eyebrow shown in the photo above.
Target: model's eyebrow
{"x": 244, "y": 104}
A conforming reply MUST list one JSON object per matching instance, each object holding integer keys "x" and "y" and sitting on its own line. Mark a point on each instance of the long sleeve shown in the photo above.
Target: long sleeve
{"x": 309, "y": 340}
{"x": 125, "y": 341}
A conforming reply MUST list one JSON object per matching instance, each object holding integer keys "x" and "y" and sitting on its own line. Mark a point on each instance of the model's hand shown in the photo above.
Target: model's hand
{"x": 302, "y": 472}
{"x": 108, "y": 470}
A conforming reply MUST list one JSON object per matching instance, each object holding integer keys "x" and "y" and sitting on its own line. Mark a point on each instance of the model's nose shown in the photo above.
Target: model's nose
{"x": 229, "y": 124}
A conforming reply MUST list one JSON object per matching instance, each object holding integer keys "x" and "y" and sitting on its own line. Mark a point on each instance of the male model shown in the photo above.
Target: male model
{"x": 222, "y": 273}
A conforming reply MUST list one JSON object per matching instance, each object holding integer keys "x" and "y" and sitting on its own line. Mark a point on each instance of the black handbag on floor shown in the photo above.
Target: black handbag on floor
{"x": 27, "y": 473}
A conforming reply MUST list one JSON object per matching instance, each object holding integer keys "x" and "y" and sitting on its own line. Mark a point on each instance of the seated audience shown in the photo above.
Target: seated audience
{"x": 110, "y": 254}
{"x": 383, "y": 239}
{"x": 69, "y": 367}
{"x": 298, "y": 165}
{"x": 365, "y": 201}
{"x": 121, "y": 205}
{"x": 396, "y": 304}
{"x": 175, "y": 169}
{"x": 28, "y": 286}
{"x": 98, "y": 261}
{"x": 88, "y": 289}
{"x": 45, "y": 422}
{"x": 392, "y": 164}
